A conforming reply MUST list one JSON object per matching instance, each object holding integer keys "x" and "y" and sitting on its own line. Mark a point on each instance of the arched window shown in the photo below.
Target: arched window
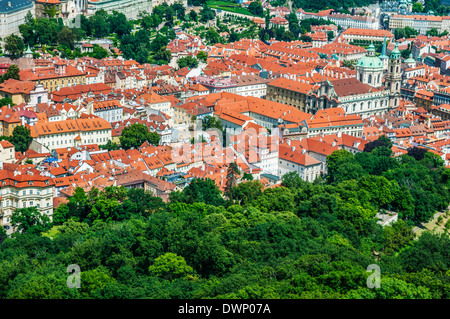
{"x": 379, "y": 79}
{"x": 396, "y": 86}
{"x": 370, "y": 78}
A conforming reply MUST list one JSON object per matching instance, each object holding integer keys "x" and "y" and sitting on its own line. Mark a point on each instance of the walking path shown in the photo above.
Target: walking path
{"x": 423, "y": 226}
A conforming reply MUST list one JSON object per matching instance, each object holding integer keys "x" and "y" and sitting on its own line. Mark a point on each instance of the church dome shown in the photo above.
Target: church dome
{"x": 395, "y": 54}
{"x": 370, "y": 61}
{"x": 410, "y": 59}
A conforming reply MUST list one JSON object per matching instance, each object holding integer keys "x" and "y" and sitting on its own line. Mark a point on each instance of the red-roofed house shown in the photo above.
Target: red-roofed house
{"x": 295, "y": 159}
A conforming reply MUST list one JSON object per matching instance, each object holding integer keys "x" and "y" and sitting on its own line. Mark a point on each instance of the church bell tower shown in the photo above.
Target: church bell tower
{"x": 394, "y": 77}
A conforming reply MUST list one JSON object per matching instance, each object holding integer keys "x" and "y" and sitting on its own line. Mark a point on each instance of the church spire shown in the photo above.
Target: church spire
{"x": 383, "y": 50}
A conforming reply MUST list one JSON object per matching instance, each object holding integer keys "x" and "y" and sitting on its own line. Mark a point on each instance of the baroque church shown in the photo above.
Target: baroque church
{"x": 374, "y": 91}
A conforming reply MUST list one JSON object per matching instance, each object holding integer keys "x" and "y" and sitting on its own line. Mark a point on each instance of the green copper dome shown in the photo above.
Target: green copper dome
{"x": 370, "y": 61}
{"x": 395, "y": 54}
{"x": 410, "y": 59}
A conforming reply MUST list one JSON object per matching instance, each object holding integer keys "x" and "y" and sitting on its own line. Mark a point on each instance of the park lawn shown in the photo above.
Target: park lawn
{"x": 52, "y": 232}
{"x": 227, "y": 6}
{"x": 434, "y": 227}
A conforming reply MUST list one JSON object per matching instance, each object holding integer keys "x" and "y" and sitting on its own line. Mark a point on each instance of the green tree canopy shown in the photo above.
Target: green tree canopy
{"x": 202, "y": 56}
{"x": 187, "y": 61}
{"x": 136, "y": 134}
{"x": 256, "y": 8}
{"x": 21, "y": 138}
{"x": 67, "y": 38}
{"x": 30, "y": 220}
{"x": 14, "y": 46}
{"x": 13, "y": 72}
{"x": 417, "y": 7}
{"x": 170, "y": 266}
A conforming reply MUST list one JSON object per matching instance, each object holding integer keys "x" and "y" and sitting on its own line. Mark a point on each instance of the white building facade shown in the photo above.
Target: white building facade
{"x": 12, "y": 14}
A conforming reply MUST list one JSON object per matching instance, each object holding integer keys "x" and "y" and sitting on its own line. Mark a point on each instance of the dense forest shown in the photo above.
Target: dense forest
{"x": 299, "y": 240}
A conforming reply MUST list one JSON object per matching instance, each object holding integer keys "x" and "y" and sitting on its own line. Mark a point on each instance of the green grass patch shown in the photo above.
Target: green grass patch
{"x": 434, "y": 226}
{"x": 52, "y": 232}
{"x": 227, "y": 6}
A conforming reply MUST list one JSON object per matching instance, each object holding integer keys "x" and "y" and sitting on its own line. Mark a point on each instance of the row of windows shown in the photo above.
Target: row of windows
{"x": 24, "y": 204}
{"x": 24, "y": 192}
{"x": 66, "y": 142}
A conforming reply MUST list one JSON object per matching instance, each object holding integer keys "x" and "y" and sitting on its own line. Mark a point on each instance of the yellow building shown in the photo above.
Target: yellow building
{"x": 9, "y": 119}
{"x": 54, "y": 77}
{"x": 18, "y": 91}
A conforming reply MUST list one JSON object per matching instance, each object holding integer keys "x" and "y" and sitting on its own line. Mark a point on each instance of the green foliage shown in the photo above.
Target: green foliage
{"x": 431, "y": 251}
{"x": 94, "y": 280}
{"x": 29, "y": 220}
{"x": 6, "y": 101}
{"x": 110, "y": 146}
{"x": 170, "y": 266}
{"x": 99, "y": 52}
{"x": 66, "y": 37}
{"x": 13, "y": 72}
{"x": 193, "y": 15}
{"x": 212, "y": 36}
{"x": 417, "y": 7}
{"x": 436, "y": 7}
{"x": 136, "y": 134}
{"x": 435, "y": 33}
{"x": 297, "y": 240}
{"x": 256, "y": 9}
{"x": 211, "y": 122}
{"x": 202, "y": 56}
{"x": 207, "y": 14}
{"x": 406, "y": 32}
{"x": 119, "y": 24}
{"x": 199, "y": 191}
{"x": 20, "y": 138}
{"x": 247, "y": 177}
{"x": 113, "y": 203}
{"x": 187, "y": 61}
{"x": 14, "y": 46}
{"x": 137, "y": 46}
{"x": 246, "y": 192}
{"x": 163, "y": 56}
{"x": 232, "y": 177}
